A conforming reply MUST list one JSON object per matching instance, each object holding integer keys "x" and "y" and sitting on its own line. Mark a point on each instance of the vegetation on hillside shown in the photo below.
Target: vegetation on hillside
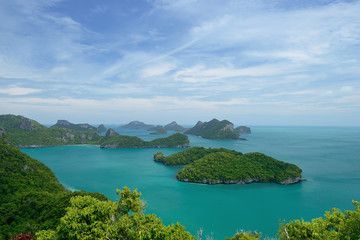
{"x": 31, "y": 196}
{"x": 188, "y": 156}
{"x": 78, "y": 127}
{"x": 173, "y": 126}
{"x": 214, "y": 129}
{"x": 89, "y": 218}
{"x": 24, "y": 132}
{"x": 228, "y": 167}
{"x": 120, "y": 141}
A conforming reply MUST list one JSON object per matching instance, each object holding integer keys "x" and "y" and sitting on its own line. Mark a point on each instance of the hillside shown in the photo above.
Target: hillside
{"x": 78, "y": 127}
{"x": 115, "y": 140}
{"x": 188, "y": 156}
{"x": 173, "y": 126}
{"x": 214, "y": 129}
{"x": 24, "y": 132}
{"x": 31, "y": 196}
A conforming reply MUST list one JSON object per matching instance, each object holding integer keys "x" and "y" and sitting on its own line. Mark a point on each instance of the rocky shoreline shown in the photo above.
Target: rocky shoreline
{"x": 245, "y": 181}
{"x": 112, "y": 146}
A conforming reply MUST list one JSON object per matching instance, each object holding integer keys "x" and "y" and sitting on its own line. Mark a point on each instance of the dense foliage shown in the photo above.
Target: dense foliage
{"x": 335, "y": 225}
{"x": 31, "y": 196}
{"x": 78, "y": 127}
{"x": 90, "y": 218}
{"x": 189, "y": 155}
{"x": 227, "y": 167}
{"x": 214, "y": 129}
{"x": 24, "y": 132}
{"x": 121, "y": 141}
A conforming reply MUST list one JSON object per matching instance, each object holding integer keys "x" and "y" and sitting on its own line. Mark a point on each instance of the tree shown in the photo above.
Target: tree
{"x": 90, "y": 218}
{"x": 335, "y": 225}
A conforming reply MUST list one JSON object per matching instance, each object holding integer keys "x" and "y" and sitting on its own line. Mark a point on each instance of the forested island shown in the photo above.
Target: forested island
{"x": 115, "y": 140}
{"x": 24, "y": 133}
{"x": 216, "y": 129}
{"x": 224, "y": 166}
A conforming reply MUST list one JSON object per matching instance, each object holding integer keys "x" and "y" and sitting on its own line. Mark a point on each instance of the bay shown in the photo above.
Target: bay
{"x": 329, "y": 157}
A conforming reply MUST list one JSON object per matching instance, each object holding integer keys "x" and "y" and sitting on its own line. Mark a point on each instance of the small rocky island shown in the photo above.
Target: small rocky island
{"x": 224, "y": 166}
{"x": 157, "y": 130}
{"x": 216, "y": 129}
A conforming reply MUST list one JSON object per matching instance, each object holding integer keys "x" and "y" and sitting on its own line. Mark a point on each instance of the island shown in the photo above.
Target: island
{"x": 242, "y": 130}
{"x": 215, "y": 129}
{"x": 78, "y": 127}
{"x": 137, "y": 125}
{"x": 27, "y": 133}
{"x": 157, "y": 130}
{"x": 173, "y": 126}
{"x": 224, "y": 166}
{"x": 114, "y": 140}
{"x": 101, "y": 128}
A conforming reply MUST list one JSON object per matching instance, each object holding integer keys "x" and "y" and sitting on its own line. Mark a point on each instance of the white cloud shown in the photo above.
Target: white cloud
{"x": 17, "y": 91}
{"x": 157, "y": 70}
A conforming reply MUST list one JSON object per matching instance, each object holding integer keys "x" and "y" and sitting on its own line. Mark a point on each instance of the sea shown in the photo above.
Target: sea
{"x": 329, "y": 157}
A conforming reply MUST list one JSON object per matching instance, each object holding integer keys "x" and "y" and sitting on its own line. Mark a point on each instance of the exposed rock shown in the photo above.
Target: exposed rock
{"x": 214, "y": 129}
{"x": 3, "y": 135}
{"x": 110, "y": 132}
{"x": 101, "y": 128}
{"x": 27, "y": 168}
{"x": 63, "y": 123}
{"x": 243, "y": 130}
{"x": 27, "y": 124}
{"x": 245, "y": 181}
{"x": 292, "y": 181}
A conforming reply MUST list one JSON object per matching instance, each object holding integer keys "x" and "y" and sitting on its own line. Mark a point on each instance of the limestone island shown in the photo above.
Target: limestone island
{"x": 174, "y": 126}
{"x": 224, "y": 166}
{"x": 114, "y": 140}
{"x": 27, "y": 133}
{"x": 215, "y": 129}
{"x": 137, "y": 125}
{"x": 157, "y": 130}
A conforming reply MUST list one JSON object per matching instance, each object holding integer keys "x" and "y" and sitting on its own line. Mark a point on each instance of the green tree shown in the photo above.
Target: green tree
{"x": 335, "y": 225}
{"x": 90, "y": 218}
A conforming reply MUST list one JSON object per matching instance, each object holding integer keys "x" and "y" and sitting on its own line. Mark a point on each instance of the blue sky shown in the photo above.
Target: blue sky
{"x": 281, "y": 62}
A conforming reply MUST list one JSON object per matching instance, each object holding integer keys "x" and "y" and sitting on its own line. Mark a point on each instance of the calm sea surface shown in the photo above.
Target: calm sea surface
{"x": 329, "y": 157}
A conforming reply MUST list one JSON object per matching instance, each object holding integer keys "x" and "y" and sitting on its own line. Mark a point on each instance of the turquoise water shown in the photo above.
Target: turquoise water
{"x": 329, "y": 157}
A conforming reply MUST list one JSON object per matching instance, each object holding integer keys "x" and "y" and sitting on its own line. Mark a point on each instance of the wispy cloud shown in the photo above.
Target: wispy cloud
{"x": 204, "y": 56}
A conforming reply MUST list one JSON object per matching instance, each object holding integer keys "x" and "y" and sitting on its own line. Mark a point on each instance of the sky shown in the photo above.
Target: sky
{"x": 258, "y": 62}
